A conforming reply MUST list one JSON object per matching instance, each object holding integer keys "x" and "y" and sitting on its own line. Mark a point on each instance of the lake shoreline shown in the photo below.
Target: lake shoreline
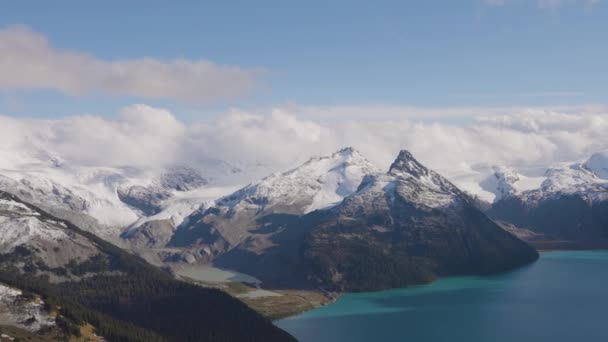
{"x": 518, "y": 305}
{"x": 564, "y": 245}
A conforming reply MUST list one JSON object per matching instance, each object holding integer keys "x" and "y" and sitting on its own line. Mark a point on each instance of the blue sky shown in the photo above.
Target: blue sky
{"x": 329, "y": 53}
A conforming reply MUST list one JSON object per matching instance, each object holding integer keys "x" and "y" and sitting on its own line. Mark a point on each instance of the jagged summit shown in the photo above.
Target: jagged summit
{"x": 408, "y": 165}
{"x": 506, "y": 178}
{"x": 407, "y": 180}
{"x": 347, "y": 150}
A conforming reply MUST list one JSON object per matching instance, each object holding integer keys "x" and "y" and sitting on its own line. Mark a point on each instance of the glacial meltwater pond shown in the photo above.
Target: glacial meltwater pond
{"x": 562, "y": 297}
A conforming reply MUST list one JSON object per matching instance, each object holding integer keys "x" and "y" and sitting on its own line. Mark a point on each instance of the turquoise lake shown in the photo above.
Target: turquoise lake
{"x": 561, "y": 297}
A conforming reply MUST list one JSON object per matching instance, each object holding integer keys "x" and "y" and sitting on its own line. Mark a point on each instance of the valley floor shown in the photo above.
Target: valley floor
{"x": 279, "y": 304}
{"x": 272, "y": 304}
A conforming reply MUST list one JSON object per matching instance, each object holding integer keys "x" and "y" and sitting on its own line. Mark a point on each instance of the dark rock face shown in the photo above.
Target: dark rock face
{"x": 394, "y": 249}
{"x": 402, "y": 228}
{"x": 567, "y": 217}
{"x": 182, "y": 178}
{"x": 152, "y": 234}
{"x": 146, "y": 199}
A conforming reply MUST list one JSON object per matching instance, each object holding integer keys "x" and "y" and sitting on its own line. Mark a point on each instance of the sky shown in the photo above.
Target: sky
{"x": 322, "y": 53}
{"x": 460, "y": 83}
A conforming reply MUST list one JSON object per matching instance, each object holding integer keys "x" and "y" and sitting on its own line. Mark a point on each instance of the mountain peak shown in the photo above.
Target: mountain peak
{"x": 405, "y": 155}
{"x": 347, "y": 150}
{"x": 407, "y": 164}
{"x": 318, "y": 183}
{"x": 506, "y": 178}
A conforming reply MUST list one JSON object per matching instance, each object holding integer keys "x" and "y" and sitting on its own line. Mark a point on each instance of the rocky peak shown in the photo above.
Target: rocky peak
{"x": 406, "y": 164}
{"x": 408, "y": 169}
{"x": 506, "y": 179}
{"x": 347, "y": 150}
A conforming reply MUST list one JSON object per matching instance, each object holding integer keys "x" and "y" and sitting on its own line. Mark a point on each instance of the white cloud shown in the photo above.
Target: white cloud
{"x": 397, "y": 112}
{"x": 28, "y": 61}
{"x": 143, "y": 136}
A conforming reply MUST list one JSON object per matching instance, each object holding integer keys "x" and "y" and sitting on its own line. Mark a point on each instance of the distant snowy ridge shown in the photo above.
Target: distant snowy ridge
{"x": 318, "y": 183}
{"x": 113, "y": 198}
{"x": 588, "y": 178}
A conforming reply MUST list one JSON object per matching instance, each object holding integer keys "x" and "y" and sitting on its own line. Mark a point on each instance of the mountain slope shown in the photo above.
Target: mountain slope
{"x": 404, "y": 227}
{"x": 319, "y": 183}
{"x": 125, "y": 298}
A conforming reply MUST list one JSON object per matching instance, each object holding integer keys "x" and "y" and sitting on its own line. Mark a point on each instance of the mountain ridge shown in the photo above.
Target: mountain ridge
{"x": 404, "y": 227}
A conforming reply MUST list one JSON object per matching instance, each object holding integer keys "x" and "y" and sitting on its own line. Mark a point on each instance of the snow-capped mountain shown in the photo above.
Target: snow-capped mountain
{"x": 47, "y": 241}
{"x": 402, "y": 227}
{"x": 571, "y": 202}
{"x": 108, "y": 200}
{"x": 587, "y": 178}
{"x": 569, "y": 180}
{"x": 598, "y": 164}
{"x": 319, "y": 183}
{"x": 406, "y": 180}
{"x": 505, "y": 181}
{"x": 490, "y": 183}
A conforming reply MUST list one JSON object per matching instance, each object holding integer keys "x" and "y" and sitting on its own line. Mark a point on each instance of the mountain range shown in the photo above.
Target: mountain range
{"x": 570, "y": 204}
{"x": 82, "y": 279}
{"x": 334, "y": 223}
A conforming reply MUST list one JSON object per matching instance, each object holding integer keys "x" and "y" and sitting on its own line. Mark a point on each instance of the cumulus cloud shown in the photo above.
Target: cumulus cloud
{"x": 29, "y": 61}
{"x": 141, "y": 136}
{"x": 144, "y": 136}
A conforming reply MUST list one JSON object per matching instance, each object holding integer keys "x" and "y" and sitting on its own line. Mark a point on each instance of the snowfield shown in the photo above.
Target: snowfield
{"x": 319, "y": 183}
{"x": 19, "y": 225}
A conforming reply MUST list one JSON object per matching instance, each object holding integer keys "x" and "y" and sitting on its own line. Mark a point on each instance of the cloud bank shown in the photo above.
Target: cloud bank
{"x": 29, "y": 61}
{"x": 148, "y": 137}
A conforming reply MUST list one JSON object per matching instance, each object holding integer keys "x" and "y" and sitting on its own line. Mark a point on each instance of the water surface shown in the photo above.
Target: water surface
{"x": 562, "y": 297}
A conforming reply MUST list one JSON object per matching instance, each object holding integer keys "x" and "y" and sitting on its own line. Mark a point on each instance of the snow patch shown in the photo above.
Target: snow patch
{"x": 319, "y": 183}
{"x": 23, "y": 313}
{"x": 598, "y": 164}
